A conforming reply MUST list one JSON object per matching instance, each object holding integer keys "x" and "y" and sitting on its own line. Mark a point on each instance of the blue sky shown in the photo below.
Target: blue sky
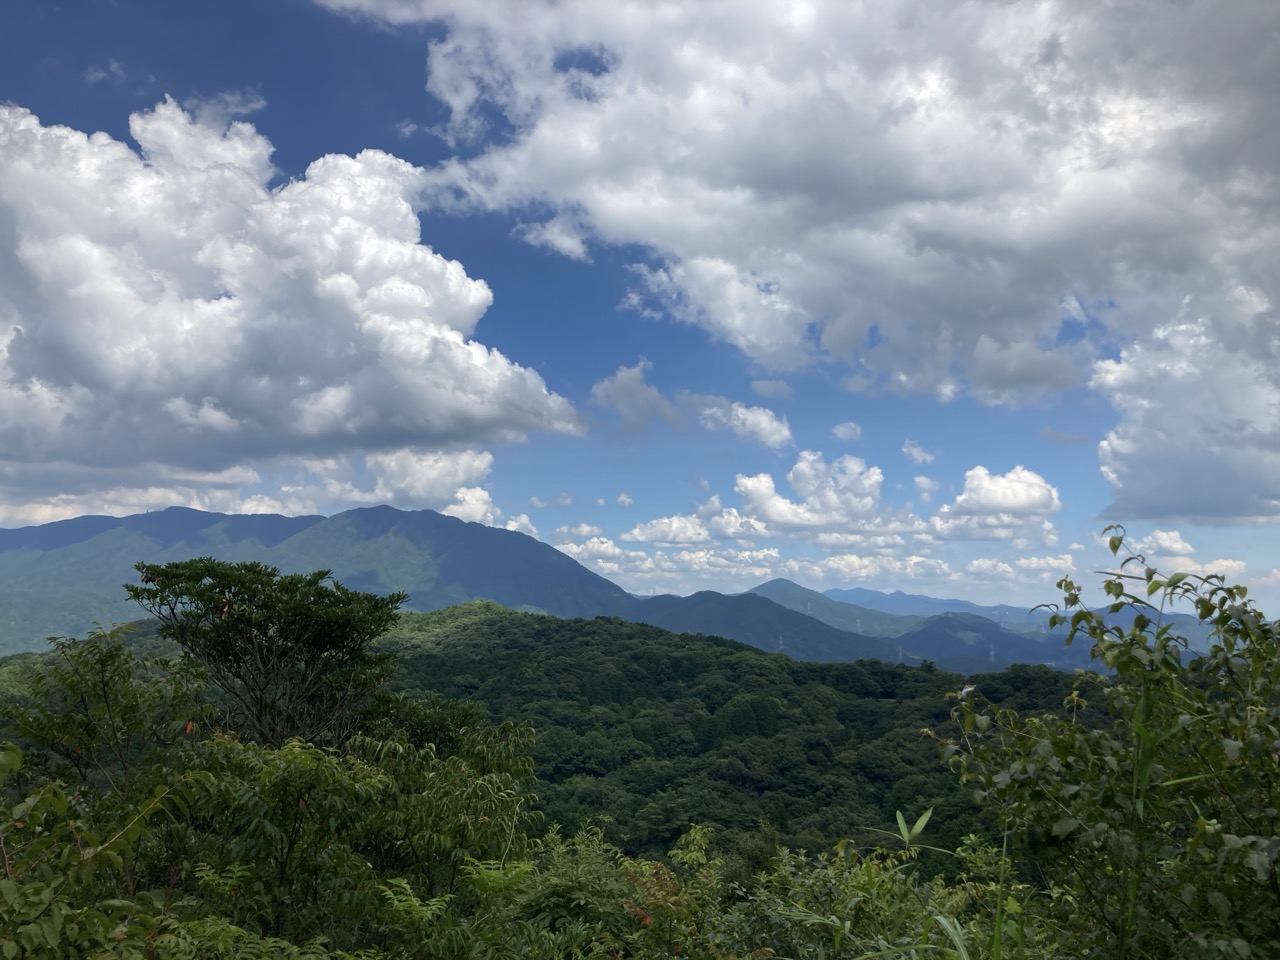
{"x": 908, "y": 295}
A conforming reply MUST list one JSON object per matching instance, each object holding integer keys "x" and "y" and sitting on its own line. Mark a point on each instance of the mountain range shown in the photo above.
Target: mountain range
{"x": 59, "y": 578}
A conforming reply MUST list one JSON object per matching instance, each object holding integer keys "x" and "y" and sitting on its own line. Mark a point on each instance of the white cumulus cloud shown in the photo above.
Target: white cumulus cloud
{"x": 752, "y": 423}
{"x": 999, "y": 507}
{"x": 168, "y": 305}
{"x": 830, "y": 495}
{"x": 809, "y": 173}
{"x": 1199, "y": 430}
{"x": 916, "y": 453}
{"x": 669, "y": 530}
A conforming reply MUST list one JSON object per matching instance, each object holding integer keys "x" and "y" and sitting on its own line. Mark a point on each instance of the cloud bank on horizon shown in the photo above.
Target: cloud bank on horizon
{"x": 885, "y": 264}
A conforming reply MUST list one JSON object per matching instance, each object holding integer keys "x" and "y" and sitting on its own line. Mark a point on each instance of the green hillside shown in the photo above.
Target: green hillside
{"x": 647, "y": 731}
{"x": 632, "y": 792}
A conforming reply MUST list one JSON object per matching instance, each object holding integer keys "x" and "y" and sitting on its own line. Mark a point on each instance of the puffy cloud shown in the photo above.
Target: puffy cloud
{"x": 726, "y": 523}
{"x": 598, "y": 549}
{"x": 999, "y": 507}
{"x": 624, "y": 499}
{"x": 448, "y": 481}
{"x": 862, "y": 569}
{"x": 415, "y": 478}
{"x": 1059, "y": 566}
{"x": 1271, "y": 579}
{"x": 169, "y": 307}
{"x": 669, "y": 530}
{"x": 560, "y": 233}
{"x": 1199, "y": 401}
{"x": 222, "y": 492}
{"x": 113, "y": 71}
{"x": 832, "y": 495}
{"x": 937, "y": 195}
{"x": 989, "y": 568}
{"x": 847, "y": 431}
{"x": 474, "y": 504}
{"x": 916, "y": 453}
{"x": 864, "y": 542}
{"x": 1020, "y": 492}
{"x": 753, "y": 423}
{"x": 675, "y": 571}
{"x": 1170, "y": 553}
{"x": 521, "y": 524}
{"x": 1164, "y": 543}
{"x": 746, "y": 567}
{"x": 1226, "y": 568}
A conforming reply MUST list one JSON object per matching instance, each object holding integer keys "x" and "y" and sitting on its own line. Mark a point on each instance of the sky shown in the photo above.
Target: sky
{"x": 907, "y": 294}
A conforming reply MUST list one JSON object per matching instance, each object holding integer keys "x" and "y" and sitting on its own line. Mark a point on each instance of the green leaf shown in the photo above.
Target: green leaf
{"x": 902, "y": 827}
{"x": 1065, "y": 826}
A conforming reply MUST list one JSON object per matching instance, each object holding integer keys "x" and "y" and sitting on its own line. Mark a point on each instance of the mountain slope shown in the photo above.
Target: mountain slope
{"x": 836, "y": 613}
{"x": 758, "y": 621}
{"x": 60, "y": 578}
{"x": 969, "y": 643}
{"x": 899, "y": 604}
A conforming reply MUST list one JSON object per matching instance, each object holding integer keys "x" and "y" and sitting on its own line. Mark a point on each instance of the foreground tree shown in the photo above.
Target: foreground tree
{"x": 292, "y": 651}
{"x": 182, "y": 841}
{"x": 1159, "y": 826}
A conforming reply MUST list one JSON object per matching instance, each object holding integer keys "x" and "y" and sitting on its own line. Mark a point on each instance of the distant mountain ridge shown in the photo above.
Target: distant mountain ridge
{"x": 1033, "y": 623}
{"x": 899, "y": 604}
{"x": 60, "y": 578}
{"x": 962, "y": 639}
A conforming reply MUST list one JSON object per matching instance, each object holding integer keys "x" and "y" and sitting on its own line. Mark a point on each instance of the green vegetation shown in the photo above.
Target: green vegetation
{"x": 1160, "y": 825}
{"x": 643, "y": 732}
{"x": 292, "y": 652}
{"x": 146, "y": 818}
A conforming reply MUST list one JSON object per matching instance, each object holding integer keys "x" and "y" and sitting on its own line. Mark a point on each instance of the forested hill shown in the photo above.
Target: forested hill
{"x": 239, "y": 801}
{"x": 61, "y": 578}
{"x": 645, "y": 731}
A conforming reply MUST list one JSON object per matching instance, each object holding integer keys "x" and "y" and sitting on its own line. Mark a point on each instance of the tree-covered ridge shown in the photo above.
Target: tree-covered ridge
{"x": 647, "y": 732}
{"x": 145, "y": 820}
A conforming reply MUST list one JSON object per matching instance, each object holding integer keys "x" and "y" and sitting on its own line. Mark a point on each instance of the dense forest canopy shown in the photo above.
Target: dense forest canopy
{"x": 526, "y": 786}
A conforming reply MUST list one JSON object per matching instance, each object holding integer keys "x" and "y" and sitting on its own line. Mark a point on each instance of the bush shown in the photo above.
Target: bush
{"x": 1158, "y": 826}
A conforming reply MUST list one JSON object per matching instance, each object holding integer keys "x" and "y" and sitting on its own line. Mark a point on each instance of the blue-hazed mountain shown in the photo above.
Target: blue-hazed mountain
{"x": 834, "y": 612}
{"x": 1031, "y": 623}
{"x": 899, "y": 604}
{"x": 966, "y": 642}
{"x": 969, "y": 643}
{"x": 59, "y": 578}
